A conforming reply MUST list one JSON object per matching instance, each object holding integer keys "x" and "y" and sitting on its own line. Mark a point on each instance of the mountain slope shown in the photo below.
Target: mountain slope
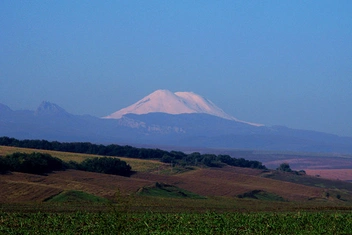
{"x": 164, "y": 101}
{"x": 4, "y": 108}
{"x": 51, "y": 122}
{"x": 47, "y": 108}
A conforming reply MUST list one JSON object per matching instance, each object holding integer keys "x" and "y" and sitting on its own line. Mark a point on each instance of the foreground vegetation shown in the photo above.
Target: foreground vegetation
{"x": 176, "y": 223}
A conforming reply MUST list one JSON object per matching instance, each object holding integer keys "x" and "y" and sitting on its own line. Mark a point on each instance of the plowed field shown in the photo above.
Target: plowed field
{"x": 229, "y": 182}
{"x": 233, "y": 181}
{"x": 20, "y": 187}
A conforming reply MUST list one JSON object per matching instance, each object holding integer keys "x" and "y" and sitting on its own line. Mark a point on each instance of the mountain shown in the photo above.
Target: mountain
{"x": 47, "y": 108}
{"x": 4, "y": 108}
{"x": 164, "y": 101}
{"x": 51, "y": 122}
{"x": 194, "y": 122}
{"x": 208, "y": 131}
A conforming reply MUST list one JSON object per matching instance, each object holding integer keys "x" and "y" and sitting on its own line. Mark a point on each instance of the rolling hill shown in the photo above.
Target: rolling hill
{"x": 228, "y": 183}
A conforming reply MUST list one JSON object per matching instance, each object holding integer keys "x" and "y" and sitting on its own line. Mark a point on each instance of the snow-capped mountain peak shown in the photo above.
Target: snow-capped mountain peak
{"x": 165, "y": 101}
{"x": 202, "y": 105}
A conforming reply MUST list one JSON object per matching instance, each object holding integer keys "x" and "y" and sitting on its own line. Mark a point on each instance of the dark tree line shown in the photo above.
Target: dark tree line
{"x": 174, "y": 157}
{"x": 85, "y": 147}
{"x": 211, "y": 160}
{"x": 40, "y": 163}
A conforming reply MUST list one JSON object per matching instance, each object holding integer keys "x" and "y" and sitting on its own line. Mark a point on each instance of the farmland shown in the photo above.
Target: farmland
{"x": 176, "y": 223}
{"x": 162, "y": 198}
{"x": 336, "y": 174}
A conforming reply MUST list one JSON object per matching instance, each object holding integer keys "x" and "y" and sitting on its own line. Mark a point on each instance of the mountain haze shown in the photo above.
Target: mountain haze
{"x": 185, "y": 120}
{"x": 164, "y": 101}
{"x": 47, "y": 108}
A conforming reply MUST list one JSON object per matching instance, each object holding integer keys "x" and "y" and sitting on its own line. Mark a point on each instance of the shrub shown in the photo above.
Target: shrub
{"x": 167, "y": 159}
{"x": 301, "y": 172}
{"x": 3, "y": 166}
{"x": 34, "y": 163}
{"x": 74, "y": 165}
{"x": 106, "y": 165}
{"x": 284, "y": 167}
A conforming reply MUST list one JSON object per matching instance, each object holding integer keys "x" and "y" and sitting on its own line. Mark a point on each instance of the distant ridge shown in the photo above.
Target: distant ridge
{"x": 196, "y": 129}
{"x": 4, "y": 108}
{"x": 48, "y": 108}
{"x": 164, "y": 101}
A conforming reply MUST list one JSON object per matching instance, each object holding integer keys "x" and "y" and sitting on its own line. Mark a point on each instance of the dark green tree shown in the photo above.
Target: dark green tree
{"x": 284, "y": 167}
{"x": 167, "y": 159}
{"x": 3, "y": 166}
{"x": 34, "y": 163}
{"x": 106, "y": 165}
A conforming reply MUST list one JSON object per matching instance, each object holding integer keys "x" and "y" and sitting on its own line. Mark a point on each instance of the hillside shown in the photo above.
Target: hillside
{"x": 221, "y": 186}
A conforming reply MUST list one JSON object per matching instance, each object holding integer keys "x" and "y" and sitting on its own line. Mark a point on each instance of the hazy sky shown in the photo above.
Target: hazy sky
{"x": 272, "y": 62}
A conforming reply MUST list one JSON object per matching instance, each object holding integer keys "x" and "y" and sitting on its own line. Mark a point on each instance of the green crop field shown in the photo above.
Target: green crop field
{"x": 176, "y": 223}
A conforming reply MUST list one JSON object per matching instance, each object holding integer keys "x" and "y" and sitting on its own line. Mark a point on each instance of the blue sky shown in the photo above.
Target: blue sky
{"x": 272, "y": 62}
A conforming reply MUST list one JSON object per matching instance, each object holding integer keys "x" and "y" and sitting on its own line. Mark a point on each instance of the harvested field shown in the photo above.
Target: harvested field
{"x": 21, "y": 187}
{"x": 22, "y": 191}
{"x": 335, "y": 174}
{"x": 65, "y": 156}
{"x": 224, "y": 182}
{"x": 305, "y": 163}
{"x": 219, "y": 182}
{"x": 207, "y": 182}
